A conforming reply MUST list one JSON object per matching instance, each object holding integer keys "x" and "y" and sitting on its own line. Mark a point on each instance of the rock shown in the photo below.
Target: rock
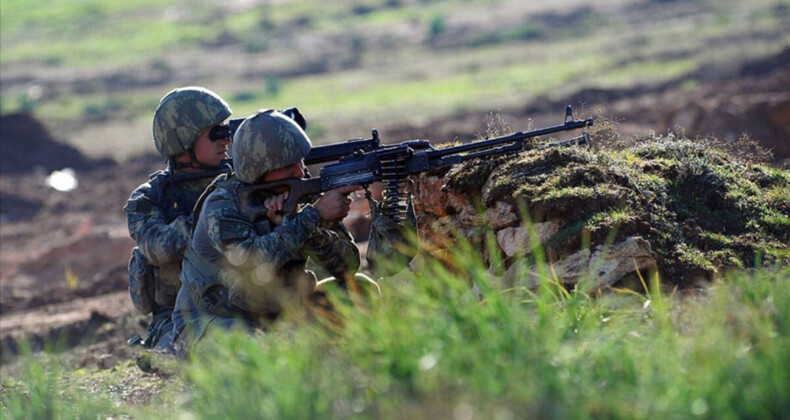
{"x": 436, "y": 232}
{"x": 501, "y": 216}
{"x": 516, "y": 240}
{"x": 428, "y": 196}
{"x": 607, "y": 266}
{"x": 431, "y": 197}
{"x": 457, "y": 202}
{"x": 469, "y": 217}
{"x": 107, "y": 361}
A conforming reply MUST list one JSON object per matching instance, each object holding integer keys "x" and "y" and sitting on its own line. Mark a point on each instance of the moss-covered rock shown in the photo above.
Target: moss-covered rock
{"x": 702, "y": 208}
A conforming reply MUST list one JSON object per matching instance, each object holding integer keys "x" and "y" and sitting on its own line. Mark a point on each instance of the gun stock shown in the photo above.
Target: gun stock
{"x": 251, "y": 196}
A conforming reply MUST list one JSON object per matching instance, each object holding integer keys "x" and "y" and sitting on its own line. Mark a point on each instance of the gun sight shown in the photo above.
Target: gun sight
{"x": 227, "y": 131}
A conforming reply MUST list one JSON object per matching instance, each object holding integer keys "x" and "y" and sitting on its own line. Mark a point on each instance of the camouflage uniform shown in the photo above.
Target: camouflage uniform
{"x": 159, "y": 212}
{"x": 242, "y": 272}
{"x": 159, "y": 216}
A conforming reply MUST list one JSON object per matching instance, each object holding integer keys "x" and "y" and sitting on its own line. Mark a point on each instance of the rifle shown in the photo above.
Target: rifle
{"x": 393, "y": 164}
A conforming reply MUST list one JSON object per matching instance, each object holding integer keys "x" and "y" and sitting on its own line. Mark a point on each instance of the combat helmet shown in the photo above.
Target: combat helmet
{"x": 265, "y": 141}
{"x": 182, "y": 115}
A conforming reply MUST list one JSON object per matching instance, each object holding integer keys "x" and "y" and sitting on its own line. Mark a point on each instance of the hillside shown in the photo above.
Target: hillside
{"x": 94, "y": 72}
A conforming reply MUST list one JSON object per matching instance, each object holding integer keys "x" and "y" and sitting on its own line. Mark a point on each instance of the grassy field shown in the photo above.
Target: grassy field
{"x": 96, "y": 69}
{"x": 430, "y": 348}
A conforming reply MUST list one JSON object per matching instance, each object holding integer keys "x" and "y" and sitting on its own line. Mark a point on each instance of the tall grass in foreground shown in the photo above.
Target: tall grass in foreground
{"x": 433, "y": 348}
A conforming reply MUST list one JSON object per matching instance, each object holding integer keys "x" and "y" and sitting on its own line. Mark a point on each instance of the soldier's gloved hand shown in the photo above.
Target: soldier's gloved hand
{"x": 274, "y": 208}
{"x": 334, "y": 204}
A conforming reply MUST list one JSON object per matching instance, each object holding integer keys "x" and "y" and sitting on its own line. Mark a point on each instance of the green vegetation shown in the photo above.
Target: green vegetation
{"x": 361, "y": 61}
{"x": 430, "y": 347}
{"x": 705, "y": 206}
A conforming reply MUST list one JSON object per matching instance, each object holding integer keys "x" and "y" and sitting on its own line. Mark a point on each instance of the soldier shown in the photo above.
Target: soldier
{"x": 243, "y": 272}
{"x": 159, "y": 212}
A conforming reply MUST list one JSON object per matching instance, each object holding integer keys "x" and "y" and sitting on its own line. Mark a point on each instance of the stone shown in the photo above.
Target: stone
{"x": 516, "y": 240}
{"x": 107, "y": 361}
{"x": 607, "y": 264}
{"x": 469, "y": 217}
{"x": 431, "y": 197}
{"x": 501, "y": 216}
{"x": 428, "y": 197}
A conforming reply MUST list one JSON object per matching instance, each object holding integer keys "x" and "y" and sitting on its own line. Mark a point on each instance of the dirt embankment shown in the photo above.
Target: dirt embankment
{"x": 27, "y": 145}
{"x": 63, "y": 256}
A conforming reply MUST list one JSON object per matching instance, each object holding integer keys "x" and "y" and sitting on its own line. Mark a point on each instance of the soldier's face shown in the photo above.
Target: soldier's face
{"x": 210, "y": 152}
{"x": 293, "y": 171}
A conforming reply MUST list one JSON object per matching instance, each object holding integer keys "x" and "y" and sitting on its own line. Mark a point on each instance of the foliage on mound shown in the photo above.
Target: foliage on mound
{"x": 702, "y": 206}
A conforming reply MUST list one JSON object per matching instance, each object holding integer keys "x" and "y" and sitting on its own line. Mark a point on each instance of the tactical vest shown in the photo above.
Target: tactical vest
{"x": 173, "y": 200}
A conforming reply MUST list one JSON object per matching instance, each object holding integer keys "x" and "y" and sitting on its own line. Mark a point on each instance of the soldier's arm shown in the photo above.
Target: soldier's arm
{"x": 159, "y": 241}
{"x": 334, "y": 249}
{"x": 234, "y": 235}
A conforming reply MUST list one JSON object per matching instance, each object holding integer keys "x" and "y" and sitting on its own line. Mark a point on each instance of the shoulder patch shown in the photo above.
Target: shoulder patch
{"x": 233, "y": 230}
{"x": 141, "y": 204}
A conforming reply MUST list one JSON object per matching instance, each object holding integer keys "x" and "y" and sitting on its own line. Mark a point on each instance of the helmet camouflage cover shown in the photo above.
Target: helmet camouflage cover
{"x": 265, "y": 141}
{"x": 182, "y": 115}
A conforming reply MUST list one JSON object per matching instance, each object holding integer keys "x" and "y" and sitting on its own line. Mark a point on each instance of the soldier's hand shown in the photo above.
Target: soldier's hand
{"x": 274, "y": 208}
{"x": 334, "y": 204}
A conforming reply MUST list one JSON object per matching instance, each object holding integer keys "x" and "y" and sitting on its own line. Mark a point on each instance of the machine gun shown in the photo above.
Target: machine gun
{"x": 393, "y": 164}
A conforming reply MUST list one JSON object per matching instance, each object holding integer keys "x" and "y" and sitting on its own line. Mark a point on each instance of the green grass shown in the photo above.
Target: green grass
{"x": 346, "y": 94}
{"x": 88, "y": 32}
{"x": 431, "y": 348}
{"x": 393, "y": 79}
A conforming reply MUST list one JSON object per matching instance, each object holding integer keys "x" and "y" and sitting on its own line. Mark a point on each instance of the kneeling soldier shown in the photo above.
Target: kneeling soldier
{"x": 159, "y": 212}
{"x": 243, "y": 272}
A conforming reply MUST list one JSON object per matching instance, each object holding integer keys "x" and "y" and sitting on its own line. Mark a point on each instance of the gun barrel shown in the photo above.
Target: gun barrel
{"x": 516, "y": 137}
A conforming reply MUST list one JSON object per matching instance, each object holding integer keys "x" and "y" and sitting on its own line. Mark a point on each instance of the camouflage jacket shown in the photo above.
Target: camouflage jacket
{"x": 235, "y": 266}
{"x": 159, "y": 216}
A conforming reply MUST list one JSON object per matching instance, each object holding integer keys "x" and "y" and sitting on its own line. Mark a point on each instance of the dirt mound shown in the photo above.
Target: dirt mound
{"x": 89, "y": 263}
{"x": 27, "y": 145}
{"x": 685, "y": 207}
